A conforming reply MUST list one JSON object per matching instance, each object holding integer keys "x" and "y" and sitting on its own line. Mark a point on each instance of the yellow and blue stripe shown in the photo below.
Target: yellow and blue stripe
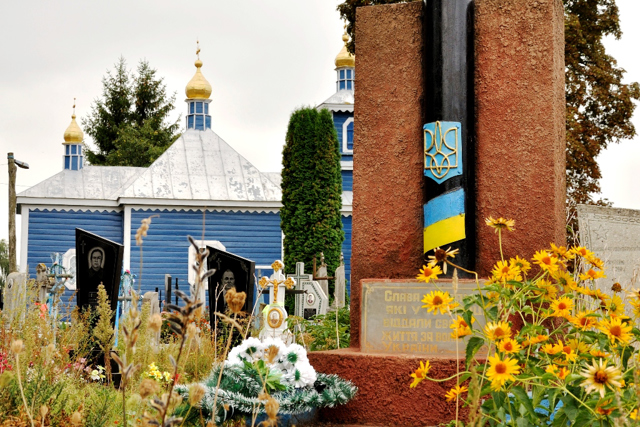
{"x": 444, "y": 220}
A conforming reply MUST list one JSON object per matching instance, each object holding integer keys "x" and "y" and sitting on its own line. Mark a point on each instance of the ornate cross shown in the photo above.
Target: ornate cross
{"x": 276, "y": 280}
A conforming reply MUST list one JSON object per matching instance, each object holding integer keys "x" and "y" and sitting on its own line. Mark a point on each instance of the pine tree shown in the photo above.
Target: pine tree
{"x": 599, "y": 105}
{"x": 311, "y": 191}
{"x": 130, "y": 125}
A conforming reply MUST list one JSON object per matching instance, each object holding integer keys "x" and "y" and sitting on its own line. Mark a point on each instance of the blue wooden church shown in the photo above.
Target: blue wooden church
{"x": 200, "y": 181}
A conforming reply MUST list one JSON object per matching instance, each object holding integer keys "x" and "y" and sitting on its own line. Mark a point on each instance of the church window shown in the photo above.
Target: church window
{"x": 73, "y": 158}
{"x": 198, "y": 107}
{"x": 73, "y": 149}
{"x": 347, "y": 136}
{"x": 206, "y": 108}
{"x": 67, "y": 162}
{"x": 207, "y": 121}
{"x": 200, "y": 122}
{"x": 191, "y": 107}
{"x": 66, "y": 149}
{"x": 345, "y": 79}
{"x": 190, "y": 122}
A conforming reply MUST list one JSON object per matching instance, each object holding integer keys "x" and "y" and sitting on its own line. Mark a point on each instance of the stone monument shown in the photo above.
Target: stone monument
{"x": 15, "y": 297}
{"x": 614, "y": 236}
{"x": 322, "y": 272}
{"x": 341, "y": 285}
{"x": 518, "y": 92}
{"x": 312, "y": 301}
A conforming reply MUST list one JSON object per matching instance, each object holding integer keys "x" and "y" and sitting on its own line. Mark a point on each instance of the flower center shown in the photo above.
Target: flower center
{"x": 584, "y": 321}
{"x": 437, "y": 300}
{"x": 615, "y": 330}
{"x": 505, "y": 270}
{"x": 601, "y": 377}
{"x": 501, "y": 368}
{"x": 566, "y": 349}
{"x": 508, "y": 346}
{"x": 546, "y": 260}
{"x": 562, "y": 306}
{"x": 499, "y": 332}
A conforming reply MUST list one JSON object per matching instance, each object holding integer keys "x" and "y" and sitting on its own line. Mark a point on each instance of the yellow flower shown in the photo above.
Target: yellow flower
{"x": 602, "y": 407}
{"x": 563, "y": 373}
{"x": 420, "y": 374}
{"x": 438, "y": 301}
{"x": 509, "y": 345}
{"x": 581, "y": 251}
{"x": 578, "y": 346}
{"x": 597, "y": 293}
{"x": 599, "y": 353}
{"x": 592, "y": 274}
{"x": 455, "y": 392}
{"x": 552, "y": 349}
{"x": 558, "y": 372}
{"x": 616, "y": 330}
{"x": 565, "y": 279}
{"x": 497, "y": 331}
{"x": 562, "y": 307}
{"x": 569, "y": 353}
{"x": 596, "y": 262}
{"x": 500, "y": 223}
{"x": 429, "y": 272}
{"x": 504, "y": 271}
{"x": 460, "y": 328}
{"x": 615, "y": 306}
{"x": 583, "y": 320}
{"x": 539, "y": 339}
{"x": 551, "y": 369}
{"x": 546, "y": 261}
{"x": 441, "y": 255}
{"x": 547, "y": 290}
{"x": 560, "y": 251}
{"x": 501, "y": 371}
{"x": 599, "y": 376}
{"x": 634, "y": 414}
{"x": 520, "y": 263}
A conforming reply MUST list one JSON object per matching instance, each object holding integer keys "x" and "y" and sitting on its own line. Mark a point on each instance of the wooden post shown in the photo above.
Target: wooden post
{"x": 12, "y": 214}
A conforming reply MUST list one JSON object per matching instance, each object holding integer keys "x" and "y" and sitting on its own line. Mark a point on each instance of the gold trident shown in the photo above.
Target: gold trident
{"x": 432, "y": 164}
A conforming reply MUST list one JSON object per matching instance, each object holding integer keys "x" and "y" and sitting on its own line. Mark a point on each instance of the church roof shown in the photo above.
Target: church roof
{"x": 202, "y": 166}
{"x": 198, "y": 168}
{"x": 88, "y": 183}
{"x": 342, "y": 100}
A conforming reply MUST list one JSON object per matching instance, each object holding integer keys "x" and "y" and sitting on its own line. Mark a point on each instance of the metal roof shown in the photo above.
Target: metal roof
{"x": 342, "y": 100}
{"x": 90, "y": 182}
{"x": 197, "y": 166}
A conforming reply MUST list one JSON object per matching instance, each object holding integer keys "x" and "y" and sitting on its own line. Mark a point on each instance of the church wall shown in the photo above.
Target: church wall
{"x": 338, "y": 120}
{"x": 347, "y": 180}
{"x": 252, "y": 235}
{"x": 53, "y": 230}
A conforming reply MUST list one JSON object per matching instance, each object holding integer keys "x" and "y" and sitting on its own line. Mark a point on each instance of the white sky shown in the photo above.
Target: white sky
{"x": 262, "y": 58}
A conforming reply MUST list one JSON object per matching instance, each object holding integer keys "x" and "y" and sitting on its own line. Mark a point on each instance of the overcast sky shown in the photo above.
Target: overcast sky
{"x": 262, "y": 58}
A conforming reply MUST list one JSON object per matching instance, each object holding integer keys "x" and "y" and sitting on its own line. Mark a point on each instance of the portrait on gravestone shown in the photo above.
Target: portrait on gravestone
{"x": 232, "y": 271}
{"x": 98, "y": 260}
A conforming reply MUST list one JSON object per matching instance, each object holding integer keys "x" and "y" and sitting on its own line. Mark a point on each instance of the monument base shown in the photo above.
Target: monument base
{"x": 384, "y": 396}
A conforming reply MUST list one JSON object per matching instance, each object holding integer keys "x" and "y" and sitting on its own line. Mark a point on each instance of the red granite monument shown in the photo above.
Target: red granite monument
{"x": 518, "y": 154}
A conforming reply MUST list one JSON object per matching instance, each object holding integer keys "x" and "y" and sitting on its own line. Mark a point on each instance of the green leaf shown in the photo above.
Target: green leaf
{"x": 492, "y": 313}
{"x": 522, "y": 397}
{"x": 467, "y": 316}
{"x": 570, "y": 407}
{"x": 573, "y": 377}
{"x": 585, "y": 418}
{"x": 626, "y": 354}
{"x": 473, "y": 346}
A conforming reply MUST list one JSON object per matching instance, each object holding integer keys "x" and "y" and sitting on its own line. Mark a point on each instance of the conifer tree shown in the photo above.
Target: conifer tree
{"x": 311, "y": 191}
{"x": 130, "y": 124}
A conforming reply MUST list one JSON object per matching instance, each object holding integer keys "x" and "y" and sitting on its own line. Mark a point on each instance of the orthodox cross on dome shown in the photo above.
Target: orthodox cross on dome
{"x": 73, "y": 158}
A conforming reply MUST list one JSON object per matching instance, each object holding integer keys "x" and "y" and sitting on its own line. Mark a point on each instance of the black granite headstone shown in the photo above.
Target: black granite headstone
{"x": 98, "y": 260}
{"x": 231, "y": 271}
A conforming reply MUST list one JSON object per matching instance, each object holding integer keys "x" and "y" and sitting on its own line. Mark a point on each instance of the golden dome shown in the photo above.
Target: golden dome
{"x": 73, "y": 134}
{"x": 344, "y": 58}
{"x": 198, "y": 87}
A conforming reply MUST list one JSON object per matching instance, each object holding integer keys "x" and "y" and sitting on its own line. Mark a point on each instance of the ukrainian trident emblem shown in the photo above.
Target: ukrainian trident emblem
{"x": 442, "y": 151}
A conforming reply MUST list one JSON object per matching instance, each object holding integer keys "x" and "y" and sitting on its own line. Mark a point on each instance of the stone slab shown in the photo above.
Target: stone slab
{"x": 520, "y": 126}
{"x": 394, "y": 321}
{"x": 614, "y": 236}
{"x": 388, "y": 147}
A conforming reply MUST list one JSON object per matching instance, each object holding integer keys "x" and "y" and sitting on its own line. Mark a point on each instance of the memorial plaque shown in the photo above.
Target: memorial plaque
{"x": 232, "y": 271}
{"x": 394, "y": 321}
{"x": 614, "y": 236}
{"x": 98, "y": 260}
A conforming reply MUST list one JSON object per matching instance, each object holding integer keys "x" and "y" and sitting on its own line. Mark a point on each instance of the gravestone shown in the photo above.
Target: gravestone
{"x": 314, "y": 301}
{"x": 394, "y": 321}
{"x": 191, "y": 275}
{"x": 43, "y": 284}
{"x": 614, "y": 236}
{"x": 300, "y": 278}
{"x": 98, "y": 260}
{"x": 322, "y": 272}
{"x": 154, "y": 302}
{"x": 341, "y": 284}
{"x": 232, "y": 271}
{"x": 15, "y": 296}
{"x": 69, "y": 264}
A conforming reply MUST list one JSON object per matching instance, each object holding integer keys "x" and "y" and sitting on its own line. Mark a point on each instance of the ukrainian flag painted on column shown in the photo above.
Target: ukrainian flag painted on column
{"x": 444, "y": 220}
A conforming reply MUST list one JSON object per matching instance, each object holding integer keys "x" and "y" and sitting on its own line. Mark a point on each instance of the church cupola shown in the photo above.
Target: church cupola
{"x": 198, "y": 91}
{"x": 73, "y": 146}
{"x": 345, "y": 67}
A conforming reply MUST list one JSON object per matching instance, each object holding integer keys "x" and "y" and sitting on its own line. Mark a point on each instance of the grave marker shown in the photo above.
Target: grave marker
{"x": 231, "y": 271}
{"x": 15, "y": 296}
{"x": 341, "y": 285}
{"x": 98, "y": 260}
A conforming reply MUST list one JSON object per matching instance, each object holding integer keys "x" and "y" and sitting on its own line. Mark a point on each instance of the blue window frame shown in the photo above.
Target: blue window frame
{"x": 198, "y": 107}
{"x": 74, "y": 149}
{"x": 200, "y": 122}
{"x": 206, "y": 108}
{"x": 350, "y": 136}
{"x": 208, "y": 122}
{"x": 190, "y": 122}
{"x": 191, "y": 107}
{"x": 67, "y": 162}
{"x": 74, "y": 163}
{"x": 66, "y": 149}
{"x": 345, "y": 79}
